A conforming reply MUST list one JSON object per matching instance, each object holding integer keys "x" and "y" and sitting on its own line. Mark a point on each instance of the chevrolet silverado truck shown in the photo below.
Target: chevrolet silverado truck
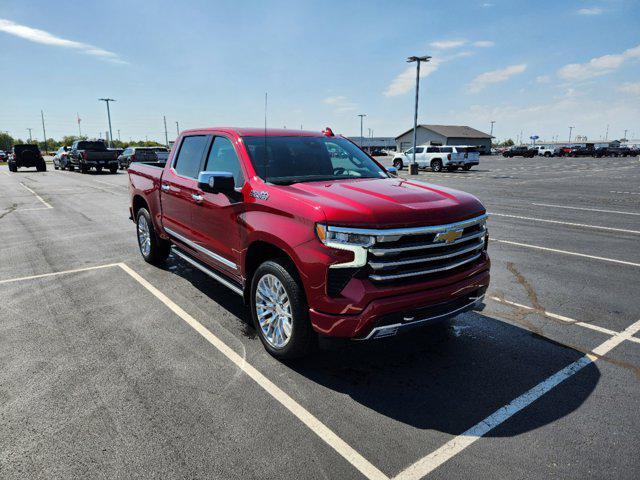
{"x": 315, "y": 236}
{"x": 87, "y": 154}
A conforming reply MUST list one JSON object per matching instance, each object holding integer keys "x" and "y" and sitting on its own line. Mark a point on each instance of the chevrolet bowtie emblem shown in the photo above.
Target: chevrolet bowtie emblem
{"x": 448, "y": 236}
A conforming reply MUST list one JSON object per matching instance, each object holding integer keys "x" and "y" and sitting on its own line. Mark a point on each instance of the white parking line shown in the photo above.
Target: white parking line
{"x": 562, "y": 318}
{"x": 37, "y": 196}
{"x": 571, "y": 224}
{"x": 625, "y": 193}
{"x": 575, "y": 254}
{"x": 316, "y": 426}
{"x": 456, "y": 445}
{"x": 6, "y": 173}
{"x": 585, "y": 209}
{"x": 64, "y": 272}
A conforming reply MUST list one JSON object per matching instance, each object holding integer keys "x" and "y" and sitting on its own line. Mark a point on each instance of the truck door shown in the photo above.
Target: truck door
{"x": 217, "y": 229}
{"x": 179, "y": 188}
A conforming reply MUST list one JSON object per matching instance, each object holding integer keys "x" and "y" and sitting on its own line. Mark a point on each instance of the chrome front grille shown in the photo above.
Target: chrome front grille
{"x": 416, "y": 254}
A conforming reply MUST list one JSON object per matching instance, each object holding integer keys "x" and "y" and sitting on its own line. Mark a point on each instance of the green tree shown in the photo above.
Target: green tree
{"x": 6, "y": 142}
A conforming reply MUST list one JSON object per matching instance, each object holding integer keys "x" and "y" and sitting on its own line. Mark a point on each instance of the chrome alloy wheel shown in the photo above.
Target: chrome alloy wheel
{"x": 273, "y": 310}
{"x": 144, "y": 236}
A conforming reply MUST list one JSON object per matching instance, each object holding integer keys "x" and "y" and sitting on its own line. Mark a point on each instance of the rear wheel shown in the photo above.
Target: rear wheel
{"x": 466, "y": 168}
{"x": 84, "y": 168}
{"x": 280, "y": 312}
{"x": 436, "y": 165}
{"x": 398, "y": 163}
{"x": 113, "y": 169}
{"x": 13, "y": 168}
{"x": 154, "y": 250}
{"x": 41, "y": 167}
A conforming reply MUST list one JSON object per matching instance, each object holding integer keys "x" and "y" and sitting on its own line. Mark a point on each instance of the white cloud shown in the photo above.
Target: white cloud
{"x": 630, "y": 87}
{"x": 447, "y": 44}
{"x": 597, "y": 66}
{"x": 495, "y": 76}
{"x": 543, "y": 79}
{"x": 406, "y": 81}
{"x": 40, "y": 36}
{"x": 341, "y": 104}
{"x": 483, "y": 43}
{"x": 487, "y": 5}
{"x": 590, "y": 11}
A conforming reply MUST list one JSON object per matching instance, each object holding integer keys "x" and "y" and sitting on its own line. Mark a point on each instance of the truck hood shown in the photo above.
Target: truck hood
{"x": 387, "y": 202}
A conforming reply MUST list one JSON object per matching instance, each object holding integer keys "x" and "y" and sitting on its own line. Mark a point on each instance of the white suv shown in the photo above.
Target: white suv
{"x": 439, "y": 157}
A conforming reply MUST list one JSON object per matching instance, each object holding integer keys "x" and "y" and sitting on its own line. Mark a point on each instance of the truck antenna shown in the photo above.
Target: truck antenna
{"x": 266, "y": 160}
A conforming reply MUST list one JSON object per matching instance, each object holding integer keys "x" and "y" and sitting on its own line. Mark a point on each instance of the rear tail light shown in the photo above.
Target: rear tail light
{"x": 133, "y": 158}
{"x": 448, "y": 156}
{"x": 84, "y": 155}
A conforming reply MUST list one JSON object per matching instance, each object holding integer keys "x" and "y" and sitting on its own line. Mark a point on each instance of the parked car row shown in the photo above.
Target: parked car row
{"x": 85, "y": 155}
{"x": 569, "y": 151}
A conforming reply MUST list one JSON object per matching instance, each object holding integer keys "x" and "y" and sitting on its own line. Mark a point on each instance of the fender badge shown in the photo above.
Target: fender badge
{"x": 259, "y": 195}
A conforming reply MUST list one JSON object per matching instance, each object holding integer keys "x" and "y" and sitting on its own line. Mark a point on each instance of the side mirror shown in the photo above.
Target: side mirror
{"x": 216, "y": 182}
{"x": 393, "y": 171}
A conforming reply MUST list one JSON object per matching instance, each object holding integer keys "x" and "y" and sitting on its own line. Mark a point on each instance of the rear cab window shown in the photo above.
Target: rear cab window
{"x": 189, "y": 158}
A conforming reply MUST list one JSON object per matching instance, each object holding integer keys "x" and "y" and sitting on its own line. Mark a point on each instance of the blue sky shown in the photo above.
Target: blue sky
{"x": 535, "y": 67}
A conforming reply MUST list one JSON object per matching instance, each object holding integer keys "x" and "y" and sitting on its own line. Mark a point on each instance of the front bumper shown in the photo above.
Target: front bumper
{"x": 390, "y": 315}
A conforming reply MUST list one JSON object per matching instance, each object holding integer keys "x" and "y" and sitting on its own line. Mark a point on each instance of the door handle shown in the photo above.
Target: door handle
{"x": 198, "y": 198}
{"x": 165, "y": 187}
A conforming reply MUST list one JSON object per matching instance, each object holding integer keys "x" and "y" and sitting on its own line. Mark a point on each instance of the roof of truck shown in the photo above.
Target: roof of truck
{"x": 257, "y": 132}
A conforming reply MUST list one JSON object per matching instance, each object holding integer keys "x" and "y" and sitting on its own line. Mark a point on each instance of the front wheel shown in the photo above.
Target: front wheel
{"x": 113, "y": 169}
{"x": 84, "y": 168}
{"x": 154, "y": 250}
{"x": 436, "y": 165}
{"x": 466, "y": 168}
{"x": 398, "y": 163}
{"x": 279, "y": 310}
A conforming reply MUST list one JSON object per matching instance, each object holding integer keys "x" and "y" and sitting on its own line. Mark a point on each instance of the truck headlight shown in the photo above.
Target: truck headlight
{"x": 329, "y": 237}
{"x": 345, "y": 240}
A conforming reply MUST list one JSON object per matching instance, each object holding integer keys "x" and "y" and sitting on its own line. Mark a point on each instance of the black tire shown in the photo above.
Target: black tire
{"x": 83, "y": 168}
{"x": 466, "y": 168}
{"x": 436, "y": 165}
{"x": 303, "y": 339}
{"x": 71, "y": 167}
{"x": 42, "y": 167}
{"x": 99, "y": 169}
{"x": 159, "y": 248}
{"x": 547, "y": 154}
{"x": 398, "y": 163}
{"x": 13, "y": 168}
{"x": 113, "y": 169}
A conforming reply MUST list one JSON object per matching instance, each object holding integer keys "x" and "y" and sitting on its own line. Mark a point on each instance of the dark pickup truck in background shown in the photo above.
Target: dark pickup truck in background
{"x": 315, "y": 235}
{"x": 87, "y": 154}
{"x": 27, "y": 156}
{"x": 142, "y": 154}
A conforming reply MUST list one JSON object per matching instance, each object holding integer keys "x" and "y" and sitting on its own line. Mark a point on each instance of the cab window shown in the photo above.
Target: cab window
{"x": 189, "y": 157}
{"x": 222, "y": 158}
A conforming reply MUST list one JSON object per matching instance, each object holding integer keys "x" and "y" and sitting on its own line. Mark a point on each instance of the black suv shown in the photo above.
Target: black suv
{"x": 522, "y": 151}
{"x": 579, "y": 151}
{"x": 27, "y": 156}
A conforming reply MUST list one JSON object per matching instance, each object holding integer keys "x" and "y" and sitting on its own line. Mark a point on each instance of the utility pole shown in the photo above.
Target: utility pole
{"x": 44, "y": 132}
{"x": 177, "y": 129}
{"x": 166, "y": 135}
{"x": 107, "y": 100}
{"x": 570, "y": 130}
{"x": 361, "y": 115}
{"x": 625, "y": 134}
{"x": 492, "y": 122}
{"x": 413, "y": 168}
{"x": 30, "y": 139}
{"x": 79, "y": 129}
{"x": 606, "y": 135}
{"x": 118, "y": 135}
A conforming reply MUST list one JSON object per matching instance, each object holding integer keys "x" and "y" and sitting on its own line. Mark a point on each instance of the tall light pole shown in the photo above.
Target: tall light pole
{"x": 492, "y": 122}
{"x": 107, "y": 100}
{"x": 166, "y": 135}
{"x": 625, "y": 134}
{"x": 79, "y": 129}
{"x": 177, "y": 129}
{"x": 361, "y": 115}
{"x": 606, "y": 135}
{"x": 118, "y": 134}
{"x": 570, "y": 130}
{"x": 413, "y": 168}
{"x": 44, "y": 132}
{"x": 30, "y": 139}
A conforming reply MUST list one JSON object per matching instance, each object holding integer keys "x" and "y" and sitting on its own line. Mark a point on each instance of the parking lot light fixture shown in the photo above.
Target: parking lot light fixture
{"x": 570, "y": 130}
{"x": 107, "y": 100}
{"x": 361, "y": 115}
{"x": 413, "y": 168}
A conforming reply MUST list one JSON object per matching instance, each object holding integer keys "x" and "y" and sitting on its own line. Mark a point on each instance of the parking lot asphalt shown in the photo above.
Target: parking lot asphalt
{"x": 112, "y": 368}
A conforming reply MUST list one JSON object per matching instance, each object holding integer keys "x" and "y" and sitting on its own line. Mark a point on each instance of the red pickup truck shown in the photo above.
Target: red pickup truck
{"x": 315, "y": 235}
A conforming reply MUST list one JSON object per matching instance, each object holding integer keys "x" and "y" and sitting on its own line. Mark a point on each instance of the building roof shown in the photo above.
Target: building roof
{"x": 452, "y": 131}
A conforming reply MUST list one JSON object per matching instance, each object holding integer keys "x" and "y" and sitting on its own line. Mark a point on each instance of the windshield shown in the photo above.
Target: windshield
{"x": 286, "y": 160}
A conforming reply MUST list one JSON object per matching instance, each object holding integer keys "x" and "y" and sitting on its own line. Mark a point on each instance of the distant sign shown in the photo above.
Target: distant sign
{"x": 534, "y": 137}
